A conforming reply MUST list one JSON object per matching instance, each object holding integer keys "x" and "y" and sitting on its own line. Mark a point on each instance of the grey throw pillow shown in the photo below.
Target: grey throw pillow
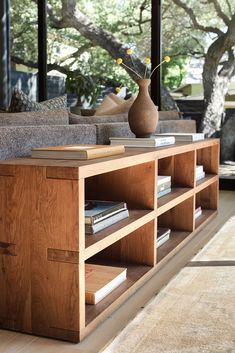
{"x": 20, "y": 102}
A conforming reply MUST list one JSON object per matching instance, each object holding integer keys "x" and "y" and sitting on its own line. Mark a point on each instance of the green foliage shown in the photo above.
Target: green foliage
{"x": 174, "y": 72}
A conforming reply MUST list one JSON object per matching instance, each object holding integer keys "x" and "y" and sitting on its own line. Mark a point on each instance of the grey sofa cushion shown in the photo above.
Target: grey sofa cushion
{"x": 49, "y": 117}
{"x": 78, "y": 119}
{"x": 181, "y": 125}
{"x": 20, "y": 102}
{"x": 169, "y": 115}
{"x": 106, "y": 130}
{"x": 117, "y": 118}
{"x": 18, "y": 141}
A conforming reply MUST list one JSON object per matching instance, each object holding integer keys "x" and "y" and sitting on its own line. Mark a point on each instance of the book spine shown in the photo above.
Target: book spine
{"x": 163, "y": 186}
{"x": 107, "y": 213}
{"x": 163, "y": 193}
{"x": 92, "y": 229}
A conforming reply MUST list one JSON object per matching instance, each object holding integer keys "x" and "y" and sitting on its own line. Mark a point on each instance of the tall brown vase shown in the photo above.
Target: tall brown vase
{"x": 143, "y": 114}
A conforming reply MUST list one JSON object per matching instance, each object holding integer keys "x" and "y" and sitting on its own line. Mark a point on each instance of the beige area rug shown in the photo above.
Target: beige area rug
{"x": 195, "y": 312}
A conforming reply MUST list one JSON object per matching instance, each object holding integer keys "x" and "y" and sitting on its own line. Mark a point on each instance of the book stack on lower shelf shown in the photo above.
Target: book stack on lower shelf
{"x": 102, "y": 280}
{"x": 197, "y": 212}
{"x": 163, "y": 185}
{"x": 102, "y": 214}
{"x": 200, "y": 174}
{"x": 163, "y": 234}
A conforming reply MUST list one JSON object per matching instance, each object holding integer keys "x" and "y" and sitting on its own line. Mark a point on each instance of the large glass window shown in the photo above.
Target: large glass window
{"x": 84, "y": 53}
{"x": 23, "y": 46}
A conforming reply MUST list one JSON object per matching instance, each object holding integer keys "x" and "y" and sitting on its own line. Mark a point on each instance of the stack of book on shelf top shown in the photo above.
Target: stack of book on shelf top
{"x": 197, "y": 212}
{"x": 163, "y": 185}
{"x": 186, "y": 136}
{"x": 102, "y": 214}
{"x": 77, "y": 151}
{"x": 200, "y": 174}
{"x": 163, "y": 234}
{"x": 101, "y": 280}
{"x": 152, "y": 141}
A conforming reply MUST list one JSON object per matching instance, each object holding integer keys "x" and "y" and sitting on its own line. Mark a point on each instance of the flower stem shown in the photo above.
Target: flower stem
{"x": 131, "y": 70}
{"x": 156, "y": 68}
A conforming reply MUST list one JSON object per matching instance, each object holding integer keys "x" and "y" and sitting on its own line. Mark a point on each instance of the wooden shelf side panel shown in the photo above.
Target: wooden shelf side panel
{"x": 15, "y": 301}
{"x": 180, "y": 167}
{"x": 44, "y": 231}
{"x": 136, "y": 248}
{"x": 207, "y": 198}
{"x": 179, "y": 217}
{"x": 209, "y": 158}
{"x": 55, "y": 252}
{"x": 134, "y": 185}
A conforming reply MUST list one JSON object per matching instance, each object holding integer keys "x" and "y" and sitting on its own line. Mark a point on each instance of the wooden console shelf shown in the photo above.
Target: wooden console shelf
{"x": 43, "y": 246}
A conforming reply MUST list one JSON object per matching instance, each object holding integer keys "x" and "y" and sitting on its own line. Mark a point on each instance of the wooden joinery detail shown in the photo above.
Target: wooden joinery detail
{"x": 7, "y": 249}
{"x": 43, "y": 246}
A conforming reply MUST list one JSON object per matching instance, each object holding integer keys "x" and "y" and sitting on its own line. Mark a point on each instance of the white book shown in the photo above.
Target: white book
{"x": 200, "y": 176}
{"x": 151, "y": 141}
{"x": 184, "y": 136}
{"x": 199, "y": 169}
{"x": 162, "y": 179}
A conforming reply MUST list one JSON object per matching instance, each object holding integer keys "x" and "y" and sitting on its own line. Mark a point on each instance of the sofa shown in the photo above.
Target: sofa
{"x": 20, "y": 132}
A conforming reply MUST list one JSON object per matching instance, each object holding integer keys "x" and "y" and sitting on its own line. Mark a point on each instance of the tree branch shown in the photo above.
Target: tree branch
{"x": 193, "y": 18}
{"x": 229, "y": 7}
{"x": 219, "y": 11}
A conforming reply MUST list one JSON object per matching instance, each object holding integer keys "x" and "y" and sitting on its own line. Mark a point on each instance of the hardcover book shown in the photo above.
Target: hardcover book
{"x": 163, "y": 234}
{"x": 163, "y": 193}
{"x": 197, "y": 212}
{"x": 102, "y": 280}
{"x": 97, "y": 210}
{"x": 77, "y": 151}
{"x": 200, "y": 176}
{"x": 184, "y": 136}
{"x": 152, "y": 141}
{"x": 164, "y": 186}
{"x": 106, "y": 222}
{"x": 161, "y": 179}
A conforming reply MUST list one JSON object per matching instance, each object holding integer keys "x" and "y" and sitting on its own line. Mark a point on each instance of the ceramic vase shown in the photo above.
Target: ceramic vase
{"x": 143, "y": 114}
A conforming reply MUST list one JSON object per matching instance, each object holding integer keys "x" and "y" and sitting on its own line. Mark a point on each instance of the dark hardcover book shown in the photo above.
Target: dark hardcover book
{"x": 163, "y": 193}
{"x": 96, "y": 210}
{"x": 94, "y": 228}
{"x": 163, "y": 234}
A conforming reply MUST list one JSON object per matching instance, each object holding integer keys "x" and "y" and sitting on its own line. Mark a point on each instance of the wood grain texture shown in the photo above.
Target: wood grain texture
{"x": 42, "y": 222}
{"x": 136, "y": 186}
{"x": 8, "y": 249}
{"x": 180, "y": 217}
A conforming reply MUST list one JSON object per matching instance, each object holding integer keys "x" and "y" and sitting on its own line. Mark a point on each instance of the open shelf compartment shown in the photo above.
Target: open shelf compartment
{"x": 207, "y": 199}
{"x": 180, "y": 220}
{"x": 137, "y": 253}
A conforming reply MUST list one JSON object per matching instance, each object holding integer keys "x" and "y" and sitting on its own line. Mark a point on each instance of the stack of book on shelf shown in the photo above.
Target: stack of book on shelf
{"x": 152, "y": 141}
{"x": 163, "y": 234}
{"x": 187, "y": 136}
{"x": 197, "y": 212}
{"x": 102, "y": 280}
{"x": 102, "y": 214}
{"x": 200, "y": 174}
{"x": 77, "y": 151}
{"x": 163, "y": 185}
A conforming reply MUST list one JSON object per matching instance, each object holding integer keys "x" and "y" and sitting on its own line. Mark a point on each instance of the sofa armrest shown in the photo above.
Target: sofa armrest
{"x": 17, "y": 141}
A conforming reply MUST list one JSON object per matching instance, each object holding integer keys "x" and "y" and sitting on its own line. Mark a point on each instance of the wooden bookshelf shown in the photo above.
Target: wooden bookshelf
{"x": 43, "y": 245}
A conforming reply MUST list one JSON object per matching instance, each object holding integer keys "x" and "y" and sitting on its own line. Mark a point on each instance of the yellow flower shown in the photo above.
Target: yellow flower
{"x": 119, "y": 61}
{"x": 167, "y": 59}
{"x": 129, "y": 51}
{"x": 117, "y": 89}
{"x": 147, "y": 61}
